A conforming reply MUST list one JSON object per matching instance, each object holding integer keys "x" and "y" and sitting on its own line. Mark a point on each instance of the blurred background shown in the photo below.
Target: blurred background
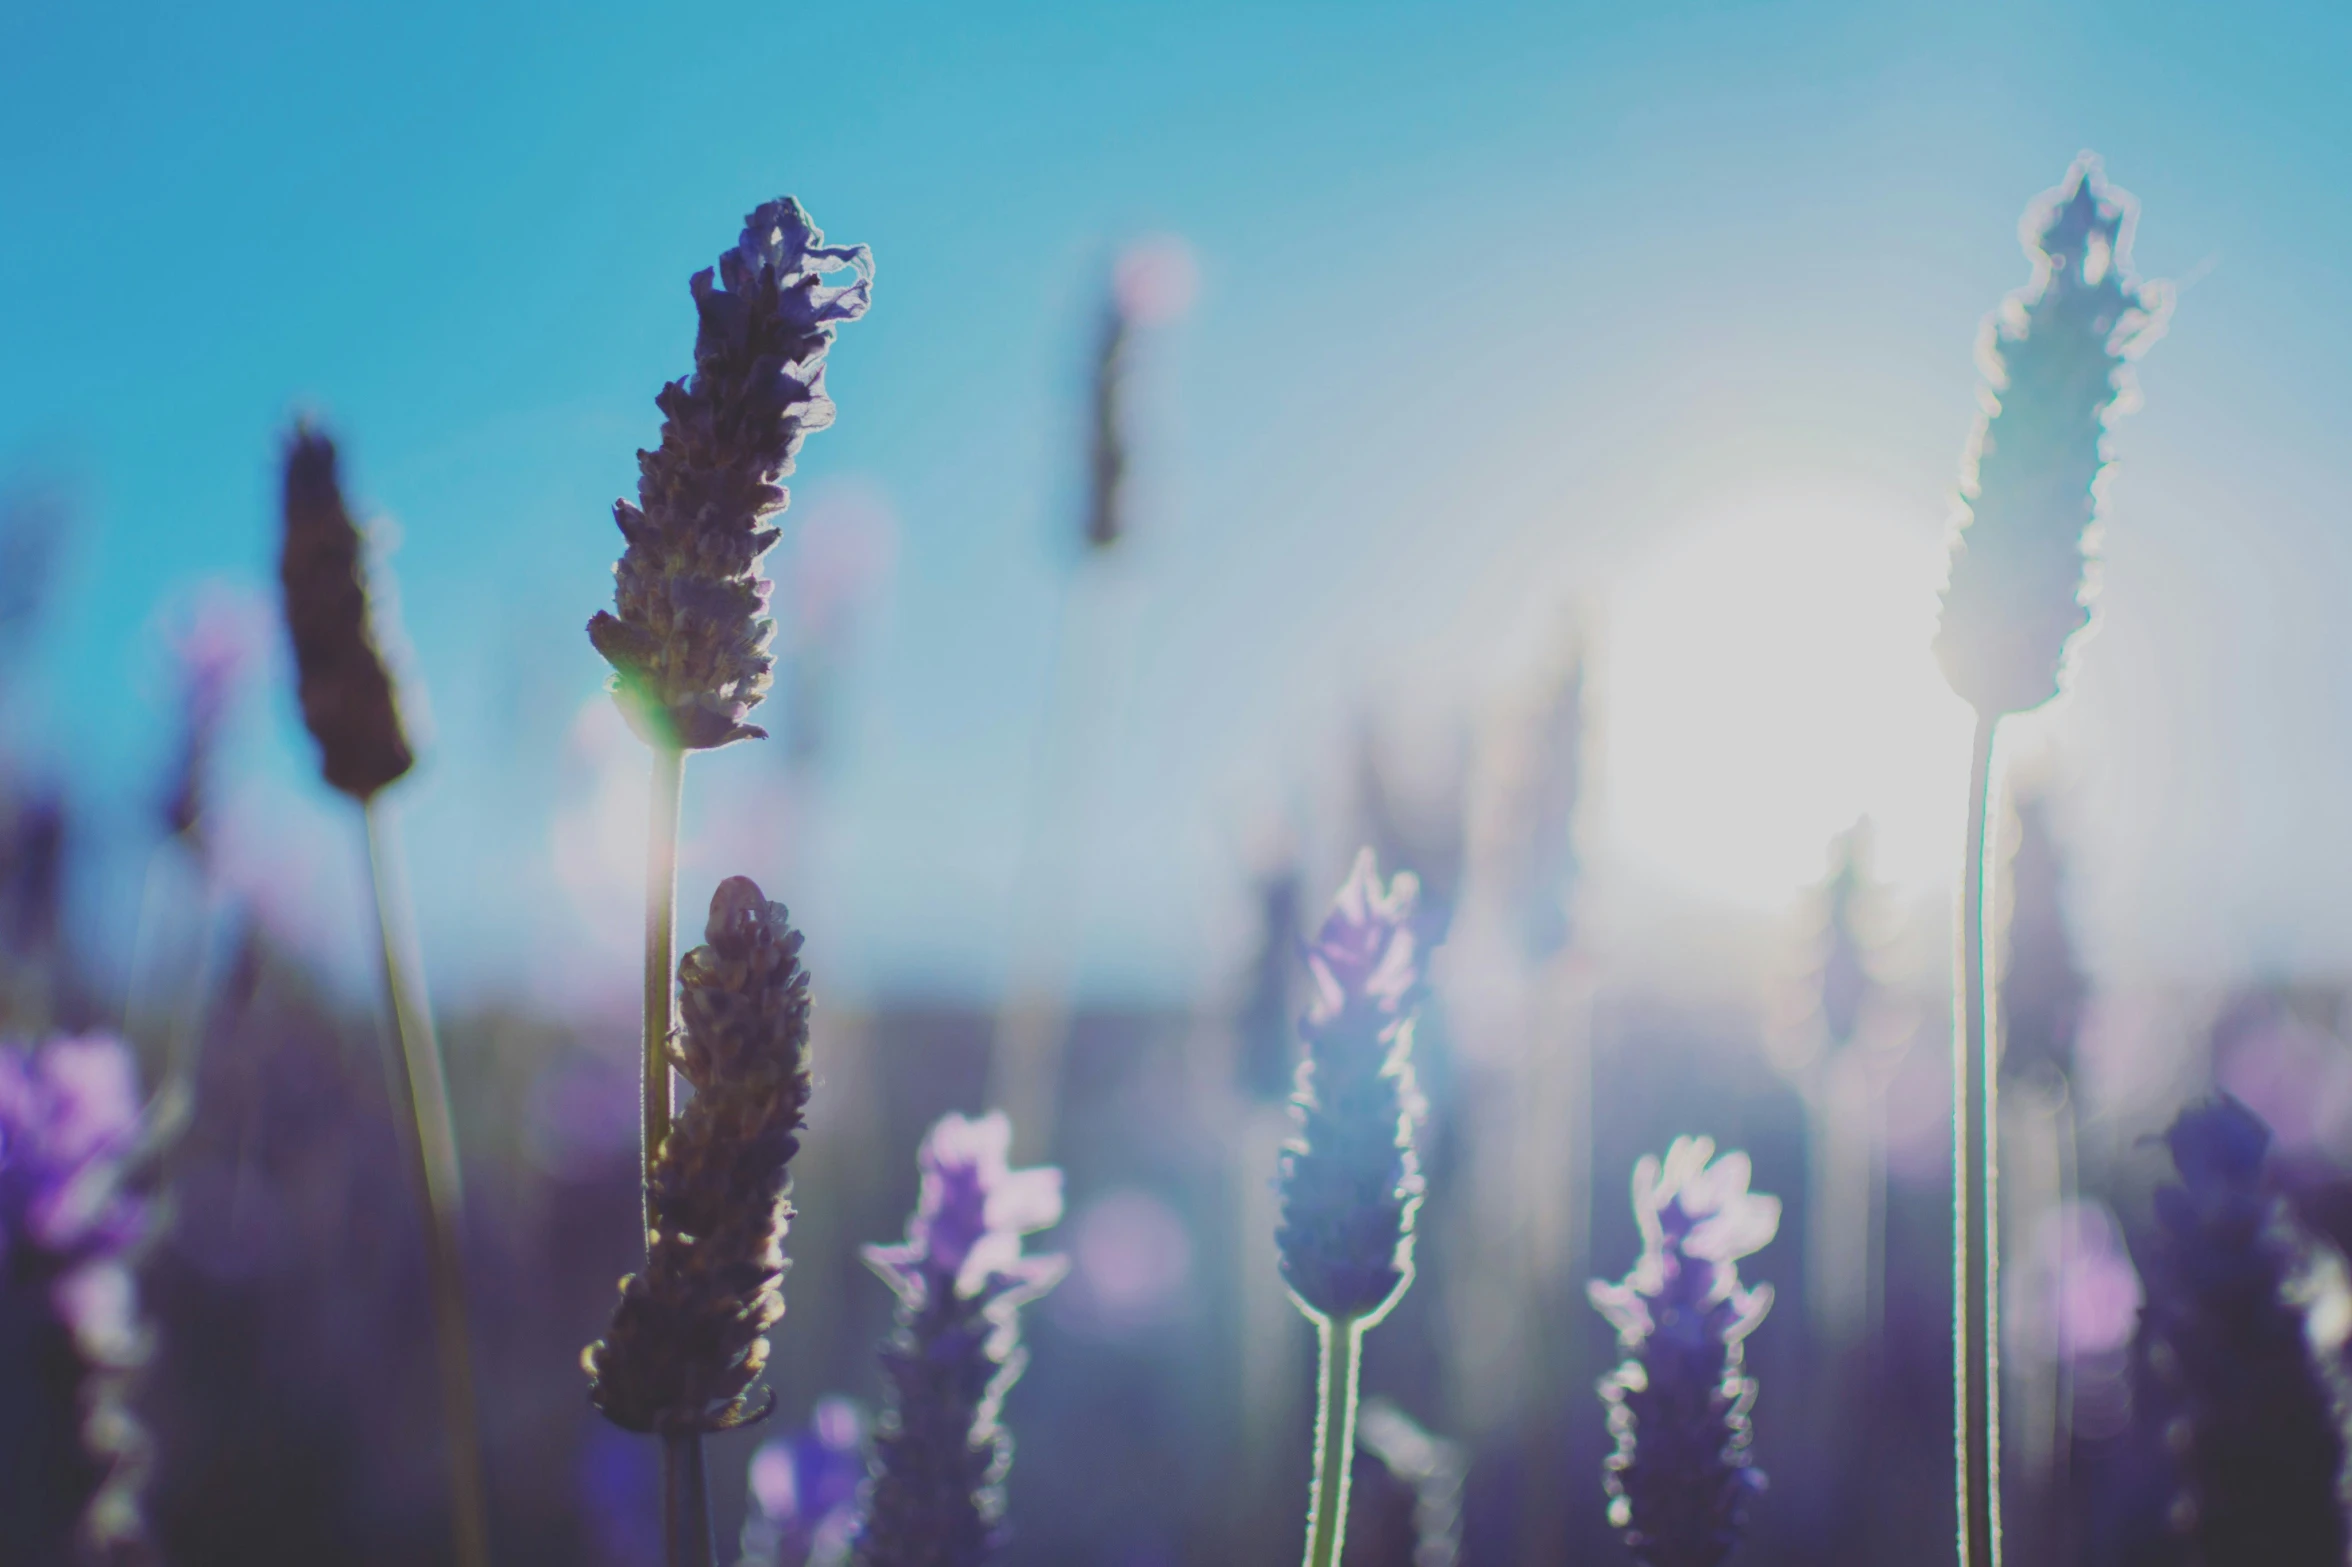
{"x": 1521, "y": 439}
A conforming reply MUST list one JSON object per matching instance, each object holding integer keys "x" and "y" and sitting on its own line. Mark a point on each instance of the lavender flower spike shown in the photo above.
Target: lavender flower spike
{"x": 689, "y": 1337}
{"x": 2056, "y": 356}
{"x": 1350, "y": 1183}
{"x": 687, "y": 635}
{"x": 71, "y": 1455}
{"x": 961, "y": 1279}
{"x": 1680, "y": 1479}
{"x": 2250, "y": 1408}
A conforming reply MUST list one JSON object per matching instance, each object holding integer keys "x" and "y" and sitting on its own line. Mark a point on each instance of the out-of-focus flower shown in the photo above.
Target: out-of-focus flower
{"x": 804, "y": 1491}
{"x": 213, "y": 648}
{"x": 2249, "y": 1408}
{"x": 2055, "y": 356}
{"x": 688, "y": 634}
{"x": 689, "y": 1338}
{"x": 1681, "y": 1477}
{"x": 1264, "y": 1021}
{"x": 1405, "y": 1494}
{"x": 348, "y": 700}
{"x": 2043, "y": 988}
{"x": 1350, "y": 1183}
{"x": 71, "y": 1455}
{"x": 961, "y": 1278}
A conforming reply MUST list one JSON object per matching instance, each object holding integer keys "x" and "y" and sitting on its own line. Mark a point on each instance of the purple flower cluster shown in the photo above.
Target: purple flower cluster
{"x": 688, "y": 632}
{"x": 961, "y": 1278}
{"x": 1350, "y": 1183}
{"x": 1680, "y": 1478}
{"x": 2239, "y": 1398}
{"x": 804, "y": 1491}
{"x": 69, "y": 1327}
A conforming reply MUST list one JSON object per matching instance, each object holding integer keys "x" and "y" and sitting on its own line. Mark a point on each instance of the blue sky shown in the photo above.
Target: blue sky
{"x": 1500, "y": 308}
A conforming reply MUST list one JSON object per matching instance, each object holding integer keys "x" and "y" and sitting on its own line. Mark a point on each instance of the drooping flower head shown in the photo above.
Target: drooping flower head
{"x": 2249, "y": 1406}
{"x": 961, "y": 1278}
{"x": 2055, "y": 357}
{"x": 804, "y": 1491}
{"x": 1350, "y": 1183}
{"x": 689, "y": 1337}
{"x": 348, "y": 700}
{"x": 1680, "y": 1479}
{"x": 688, "y": 632}
{"x": 71, "y": 1456}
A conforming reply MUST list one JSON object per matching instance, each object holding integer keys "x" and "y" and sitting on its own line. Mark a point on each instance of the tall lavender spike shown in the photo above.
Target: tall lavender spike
{"x": 348, "y": 700}
{"x": 961, "y": 1279}
{"x": 72, "y": 1457}
{"x": 1350, "y": 1182}
{"x": 687, "y": 635}
{"x": 2055, "y": 356}
{"x": 1681, "y": 1478}
{"x": 2253, "y": 1416}
{"x": 689, "y": 1337}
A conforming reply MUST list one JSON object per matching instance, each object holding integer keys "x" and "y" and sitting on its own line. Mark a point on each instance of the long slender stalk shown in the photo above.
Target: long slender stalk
{"x": 686, "y": 1527}
{"x": 686, "y": 1513}
{"x": 1340, "y": 1341}
{"x": 1976, "y": 1367}
{"x": 432, "y": 1147}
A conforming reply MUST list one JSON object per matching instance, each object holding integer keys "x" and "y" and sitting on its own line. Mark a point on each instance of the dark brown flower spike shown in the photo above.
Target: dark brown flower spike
{"x": 348, "y": 701}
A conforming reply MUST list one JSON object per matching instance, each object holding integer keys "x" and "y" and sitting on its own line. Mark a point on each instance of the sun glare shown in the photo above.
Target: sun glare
{"x": 1769, "y": 682}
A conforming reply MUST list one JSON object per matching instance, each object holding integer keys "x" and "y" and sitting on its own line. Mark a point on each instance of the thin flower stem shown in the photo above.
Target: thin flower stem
{"x": 686, "y": 1527}
{"x": 661, "y": 919}
{"x": 1976, "y": 1368}
{"x": 686, "y": 1514}
{"x": 432, "y": 1146}
{"x": 1340, "y": 1342}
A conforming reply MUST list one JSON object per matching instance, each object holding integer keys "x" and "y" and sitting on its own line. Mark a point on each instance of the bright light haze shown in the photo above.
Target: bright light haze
{"x": 1501, "y": 310}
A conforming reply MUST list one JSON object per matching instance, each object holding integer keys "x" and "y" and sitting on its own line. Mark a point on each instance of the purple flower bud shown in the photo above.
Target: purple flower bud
{"x": 1680, "y": 1478}
{"x": 1350, "y": 1183}
{"x": 688, "y": 634}
{"x": 804, "y": 1491}
{"x": 2247, "y": 1408}
{"x": 70, "y": 1334}
{"x": 961, "y": 1279}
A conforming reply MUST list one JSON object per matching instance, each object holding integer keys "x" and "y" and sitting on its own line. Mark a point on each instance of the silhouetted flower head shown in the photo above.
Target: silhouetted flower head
{"x": 689, "y": 1337}
{"x": 961, "y": 1278}
{"x": 1350, "y": 1184}
{"x": 1680, "y": 1479}
{"x": 688, "y": 633}
{"x": 347, "y": 697}
{"x": 2250, "y": 1409}
{"x": 804, "y": 1491}
{"x": 2056, "y": 353}
{"x": 71, "y": 1456}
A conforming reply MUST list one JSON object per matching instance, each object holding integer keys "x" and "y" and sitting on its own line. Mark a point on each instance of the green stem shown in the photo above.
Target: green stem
{"x": 686, "y": 1527}
{"x": 431, "y": 1142}
{"x": 1340, "y": 1341}
{"x": 1976, "y": 1359}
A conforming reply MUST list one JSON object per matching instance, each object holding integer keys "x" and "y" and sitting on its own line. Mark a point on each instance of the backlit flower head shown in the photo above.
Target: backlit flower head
{"x": 2055, "y": 359}
{"x": 1350, "y": 1183}
{"x": 688, "y": 632}
{"x": 961, "y": 1278}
